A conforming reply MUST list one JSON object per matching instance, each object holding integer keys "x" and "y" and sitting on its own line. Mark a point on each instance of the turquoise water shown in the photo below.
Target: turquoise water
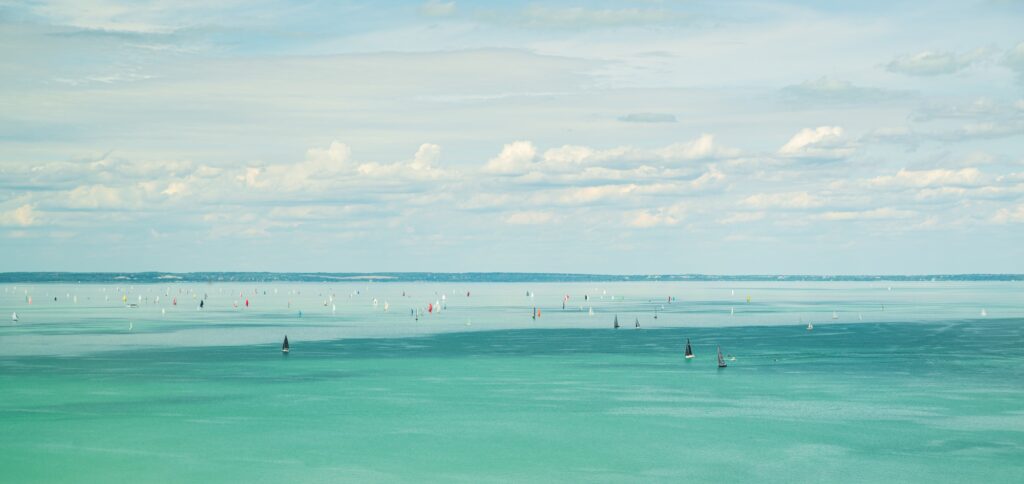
{"x": 924, "y": 390}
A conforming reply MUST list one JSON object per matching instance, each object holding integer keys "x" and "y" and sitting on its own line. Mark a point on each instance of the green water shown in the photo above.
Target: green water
{"x": 938, "y": 400}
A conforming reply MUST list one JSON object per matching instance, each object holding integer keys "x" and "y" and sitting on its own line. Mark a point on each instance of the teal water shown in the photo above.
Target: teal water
{"x": 934, "y": 394}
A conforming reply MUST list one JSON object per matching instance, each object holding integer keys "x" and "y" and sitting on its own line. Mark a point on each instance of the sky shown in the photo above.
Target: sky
{"x": 626, "y": 137}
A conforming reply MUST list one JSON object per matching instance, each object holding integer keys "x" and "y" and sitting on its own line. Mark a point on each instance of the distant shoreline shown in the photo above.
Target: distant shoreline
{"x": 463, "y": 277}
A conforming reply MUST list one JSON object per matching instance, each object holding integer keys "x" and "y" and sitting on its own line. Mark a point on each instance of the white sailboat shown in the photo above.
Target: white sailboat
{"x": 984, "y": 313}
{"x": 14, "y": 317}
{"x": 810, "y": 326}
{"x": 835, "y": 315}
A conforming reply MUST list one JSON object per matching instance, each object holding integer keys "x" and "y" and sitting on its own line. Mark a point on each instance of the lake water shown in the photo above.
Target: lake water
{"x": 908, "y": 382}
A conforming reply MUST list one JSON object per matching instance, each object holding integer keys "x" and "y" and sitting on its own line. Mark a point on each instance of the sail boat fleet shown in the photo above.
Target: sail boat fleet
{"x": 435, "y": 307}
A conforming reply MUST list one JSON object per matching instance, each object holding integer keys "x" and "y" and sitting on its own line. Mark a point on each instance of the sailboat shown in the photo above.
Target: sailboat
{"x": 689, "y": 351}
{"x": 284, "y": 347}
{"x": 835, "y": 315}
{"x": 14, "y": 317}
{"x": 534, "y": 314}
{"x": 616, "y": 321}
{"x": 984, "y": 313}
{"x": 638, "y": 323}
{"x": 810, "y": 326}
{"x": 591, "y": 312}
{"x": 721, "y": 361}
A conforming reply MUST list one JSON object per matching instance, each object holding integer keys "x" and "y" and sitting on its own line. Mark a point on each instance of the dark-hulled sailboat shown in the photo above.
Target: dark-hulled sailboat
{"x": 284, "y": 346}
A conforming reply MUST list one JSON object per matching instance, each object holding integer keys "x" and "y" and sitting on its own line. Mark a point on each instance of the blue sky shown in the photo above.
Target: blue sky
{"x": 605, "y": 137}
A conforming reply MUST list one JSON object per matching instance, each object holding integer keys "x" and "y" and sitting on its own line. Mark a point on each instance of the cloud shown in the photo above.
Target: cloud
{"x": 826, "y": 90}
{"x": 437, "y": 8}
{"x": 516, "y": 157}
{"x": 786, "y": 200}
{"x": 648, "y": 118}
{"x": 530, "y": 218}
{"x": 583, "y": 161}
{"x": 929, "y": 63}
{"x": 22, "y": 216}
{"x": 654, "y": 218}
{"x": 1014, "y": 59}
{"x": 585, "y": 18}
{"x": 1009, "y": 215}
{"x": 742, "y": 217}
{"x": 422, "y": 165}
{"x": 820, "y": 142}
{"x": 96, "y": 196}
{"x": 967, "y": 132}
{"x": 928, "y": 178}
{"x": 884, "y": 213}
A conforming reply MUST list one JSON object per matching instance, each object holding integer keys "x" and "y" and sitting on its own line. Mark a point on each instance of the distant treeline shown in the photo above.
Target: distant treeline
{"x": 194, "y": 277}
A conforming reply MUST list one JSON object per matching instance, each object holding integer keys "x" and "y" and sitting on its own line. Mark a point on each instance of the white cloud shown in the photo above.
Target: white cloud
{"x": 1014, "y": 59}
{"x": 580, "y": 17}
{"x": 827, "y": 90}
{"x": 648, "y": 118}
{"x": 521, "y": 157}
{"x": 95, "y": 196}
{"x": 820, "y": 142}
{"x": 929, "y": 178}
{"x": 437, "y": 8}
{"x": 884, "y": 213}
{"x": 20, "y": 216}
{"x": 742, "y": 217}
{"x": 1009, "y": 215}
{"x": 515, "y": 157}
{"x": 790, "y": 200}
{"x": 530, "y": 218}
{"x": 658, "y": 217}
{"x": 930, "y": 63}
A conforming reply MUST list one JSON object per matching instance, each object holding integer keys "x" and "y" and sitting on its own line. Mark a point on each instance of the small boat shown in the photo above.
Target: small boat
{"x": 984, "y": 313}
{"x": 721, "y": 361}
{"x": 590, "y": 312}
{"x": 689, "y": 351}
{"x": 637, "y": 323}
{"x": 284, "y": 347}
{"x": 616, "y": 321}
{"x": 810, "y": 326}
{"x": 835, "y": 315}
{"x": 14, "y": 317}
{"x": 534, "y": 314}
